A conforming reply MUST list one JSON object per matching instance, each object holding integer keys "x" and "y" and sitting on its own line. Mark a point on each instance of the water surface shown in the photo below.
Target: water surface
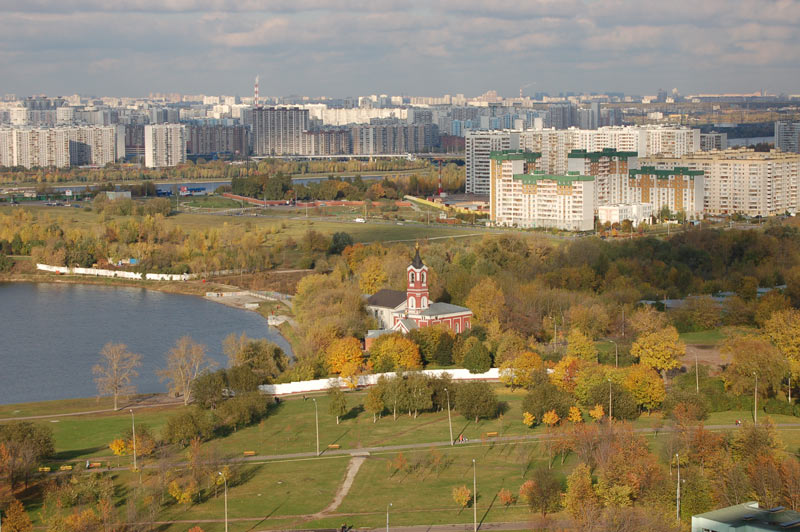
{"x": 51, "y": 334}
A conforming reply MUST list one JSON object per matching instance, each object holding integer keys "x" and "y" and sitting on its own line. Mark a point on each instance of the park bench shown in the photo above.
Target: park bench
{"x": 333, "y": 446}
{"x": 249, "y": 453}
{"x": 491, "y": 434}
{"x": 95, "y": 465}
{"x": 66, "y": 468}
{"x": 44, "y": 469}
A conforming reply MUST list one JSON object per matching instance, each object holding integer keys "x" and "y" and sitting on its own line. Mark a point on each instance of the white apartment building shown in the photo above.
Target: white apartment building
{"x": 164, "y": 145}
{"x": 479, "y": 146}
{"x": 743, "y": 181}
{"x": 609, "y": 168}
{"x": 619, "y": 212}
{"x": 533, "y": 199}
{"x": 680, "y": 189}
{"x": 555, "y": 145}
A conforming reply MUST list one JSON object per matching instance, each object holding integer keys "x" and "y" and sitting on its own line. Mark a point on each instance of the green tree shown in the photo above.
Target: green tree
{"x": 374, "y": 402}
{"x": 208, "y": 389}
{"x": 184, "y": 426}
{"x": 339, "y": 241}
{"x": 243, "y": 410}
{"x": 753, "y": 356}
{"x": 475, "y": 400}
{"x": 477, "y": 358}
{"x": 337, "y": 402}
{"x": 544, "y": 397}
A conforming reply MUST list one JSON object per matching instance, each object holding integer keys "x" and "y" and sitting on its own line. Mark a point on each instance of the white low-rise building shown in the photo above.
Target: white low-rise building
{"x": 617, "y": 213}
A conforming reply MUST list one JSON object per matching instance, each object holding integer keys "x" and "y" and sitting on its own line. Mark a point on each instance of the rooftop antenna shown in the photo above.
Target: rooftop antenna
{"x": 255, "y": 93}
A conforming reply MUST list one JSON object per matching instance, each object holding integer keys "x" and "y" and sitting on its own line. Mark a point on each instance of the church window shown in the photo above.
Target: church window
{"x": 411, "y": 302}
{"x": 424, "y": 302}
{"x": 412, "y": 277}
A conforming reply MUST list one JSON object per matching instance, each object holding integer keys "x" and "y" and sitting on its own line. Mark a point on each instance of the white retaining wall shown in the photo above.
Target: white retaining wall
{"x": 319, "y": 385}
{"x": 97, "y": 272}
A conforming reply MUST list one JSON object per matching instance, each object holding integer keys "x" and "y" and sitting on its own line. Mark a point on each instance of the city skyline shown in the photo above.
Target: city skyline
{"x": 355, "y": 47}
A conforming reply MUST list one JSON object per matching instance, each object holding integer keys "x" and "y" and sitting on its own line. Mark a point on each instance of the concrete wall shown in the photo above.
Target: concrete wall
{"x": 97, "y": 272}
{"x": 319, "y": 385}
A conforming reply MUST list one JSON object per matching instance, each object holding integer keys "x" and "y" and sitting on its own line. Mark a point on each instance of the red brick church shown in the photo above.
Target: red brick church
{"x": 403, "y": 311}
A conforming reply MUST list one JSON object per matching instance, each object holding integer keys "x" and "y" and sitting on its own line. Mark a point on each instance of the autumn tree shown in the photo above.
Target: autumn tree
{"x": 565, "y": 373}
{"x": 265, "y": 359}
{"x": 581, "y": 346}
{"x": 22, "y": 446}
{"x": 581, "y": 501}
{"x": 435, "y": 344}
{"x": 518, "y": 371}
{"x": 506, "y": 497}
{"x": 343, "y": 353}
{"x": 16, "y": 519}
{"x": 486, "y": 301}
{"x": 646, "y": 387}
{"x": 575, "y": 415}
{"x": 783, "y": 329}
{"x": 542, "y": 493}
{"x": 752, "y": 355}
{"x": 647, "y": 320}
{"x": 597, "y": 412}
{"x": 462, "y": 496}
{"x": 659, "y": 350}
{"x": 185, "y": 362}
{"x": 116, "y": 370}
{"x": 394, "y": 352}
{"x": 371, "y": 275}
{"x": 337, "y": 402}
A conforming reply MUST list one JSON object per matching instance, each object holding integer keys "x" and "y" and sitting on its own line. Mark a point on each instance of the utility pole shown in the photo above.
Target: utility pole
{"x": 474, "y": 498}
{"x": 678, "y": 490}
{"x": 696, "y": 374}
{"x": 449, "y": 420}
{"x": 616, "y": 353}
{"x": 387, "y": 516}
{"x": 610, "y": 417}
{"x": 133, "y": 431}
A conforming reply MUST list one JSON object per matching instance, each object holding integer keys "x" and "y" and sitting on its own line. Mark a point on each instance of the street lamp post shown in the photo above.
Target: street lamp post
{"x": 387, "y": 516}
{"x": 225, "y": 480}
{"x": 616, "y": 353}
{"x": 133, "y": 430}
{"x": 678, "y": 490}
{"x": 474, "y": 498}
{"x": 316, "y": 421}
{"x": 449, "y": 420}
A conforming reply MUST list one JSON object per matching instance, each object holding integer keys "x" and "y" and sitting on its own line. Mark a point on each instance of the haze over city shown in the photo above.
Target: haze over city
{"x": 342, "y": 48}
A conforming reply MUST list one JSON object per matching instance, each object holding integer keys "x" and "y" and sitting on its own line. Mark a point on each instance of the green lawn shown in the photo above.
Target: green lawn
{"x": 710, "y": 337}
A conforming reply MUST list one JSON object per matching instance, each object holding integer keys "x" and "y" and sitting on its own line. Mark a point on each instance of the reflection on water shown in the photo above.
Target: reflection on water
{"x": 51, "y": 334}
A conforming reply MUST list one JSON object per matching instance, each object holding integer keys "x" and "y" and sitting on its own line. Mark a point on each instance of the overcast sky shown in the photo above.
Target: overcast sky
{"x": 356, "y": 47}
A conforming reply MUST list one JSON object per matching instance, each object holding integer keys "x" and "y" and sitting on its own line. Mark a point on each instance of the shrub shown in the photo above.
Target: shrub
{"x": 696, "y": 406}
{"x": 192, "y": 423}
{"x": 623, "y": 405}
{"x": 243, "y": 410}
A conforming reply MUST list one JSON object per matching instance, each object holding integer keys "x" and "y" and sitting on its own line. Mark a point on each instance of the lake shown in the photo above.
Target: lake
{"x": 51, "y": 334}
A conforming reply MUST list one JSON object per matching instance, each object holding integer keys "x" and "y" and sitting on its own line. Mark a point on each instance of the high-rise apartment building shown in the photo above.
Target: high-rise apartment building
{"x": 680, "y": 189}
{"x": 479, "y": 145}
{"x": 713, "y": 141}
{"x": 279, "y": 130}
{"x": 213, "y": 139}
{"x": 522, "y": 196}
{"x": 330, "y": 141}
{"x": 164, "y": 145}
{"x": 743, "y": 181}
{"x": 787, "y": 136}
{"x": 58, "y": 146}
{"x": 392, "y": 137}
{"x": 609, "y": 168}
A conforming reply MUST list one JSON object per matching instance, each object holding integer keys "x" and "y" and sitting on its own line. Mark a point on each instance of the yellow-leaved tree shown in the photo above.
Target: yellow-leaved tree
{"x": 371, "y": 275}
{"x": 343, "y": 354}
{"x": 581, "y": 346}
{"x": 550, "y": 418}
{"x": 783, "y": 330}
{"x": 597, "y": 412}
{"x": 645, "y": 386}
{"x": 519, "y": 371}
{"x": 528, "y": 419}
{"x": 565, "y": 373}
{"x": 660, "y": 350}
{"x": 395, "y": 352}
{"x": 575, "y": 415}
{"x": 486, "y": 301}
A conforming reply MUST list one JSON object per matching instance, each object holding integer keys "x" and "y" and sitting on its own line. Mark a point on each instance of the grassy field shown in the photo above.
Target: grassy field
{"x": 710, "y": 337}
